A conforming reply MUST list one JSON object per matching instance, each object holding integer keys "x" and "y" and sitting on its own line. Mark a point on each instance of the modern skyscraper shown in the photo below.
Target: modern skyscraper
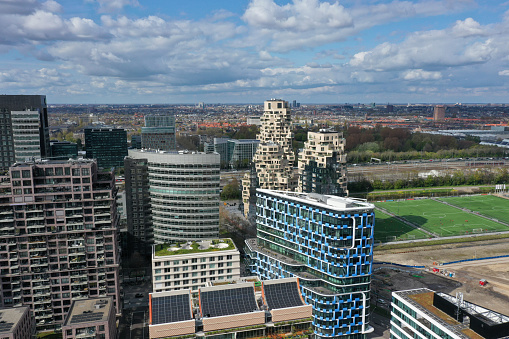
{"x": 274, "y": 158}
{"x": 325, "y": 241}
{"x": 58, "y": 237}
{"x": 322, "y": 164}
{"x": 107, "y": 145}
{"x": 24, "y": 129}
{"x": 184, "y": 194}
{"x": 139, "y": 223}
{"x": 234, "y": 153}
{"x": 439, "y": 113}
{"x": 159, "y": 132}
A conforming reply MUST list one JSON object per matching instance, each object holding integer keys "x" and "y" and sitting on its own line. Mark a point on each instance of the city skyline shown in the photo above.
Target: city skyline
{"x": 139, "y": 51}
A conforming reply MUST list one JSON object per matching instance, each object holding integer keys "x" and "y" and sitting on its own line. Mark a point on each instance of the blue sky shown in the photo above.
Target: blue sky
{"x": 246, "y": 51}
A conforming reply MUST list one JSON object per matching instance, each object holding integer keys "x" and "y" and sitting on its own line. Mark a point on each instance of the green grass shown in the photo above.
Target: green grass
{"x": 162, "y": 249}
{"x": 439, "y": 218}
{"x": 488, "y": 205}
{"x": 387, "y": 226}
{"x": 49, "y": 335}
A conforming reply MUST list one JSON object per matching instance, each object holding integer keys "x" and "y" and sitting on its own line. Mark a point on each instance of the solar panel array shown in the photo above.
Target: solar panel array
{"x": 86, "y": 317}
{"x": 282, "y": 295}
{"x": 6, "y": 327}
{"x": 171, "y": 309}
{"x": 229, "y": 301}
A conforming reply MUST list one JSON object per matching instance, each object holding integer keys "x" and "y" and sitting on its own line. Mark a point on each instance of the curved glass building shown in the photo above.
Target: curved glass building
{"x": 184, "y": 194}
{"x": 325, "y": 241}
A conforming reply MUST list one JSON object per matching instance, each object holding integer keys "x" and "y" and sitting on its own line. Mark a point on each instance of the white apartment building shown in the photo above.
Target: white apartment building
{"x": 190, "y": 265}
{"x": 274, "y": 157}
{"x": 322, "y": 164}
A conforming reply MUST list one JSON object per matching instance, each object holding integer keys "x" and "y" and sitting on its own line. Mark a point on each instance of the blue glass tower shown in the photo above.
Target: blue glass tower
{"x": 325, "y": 241}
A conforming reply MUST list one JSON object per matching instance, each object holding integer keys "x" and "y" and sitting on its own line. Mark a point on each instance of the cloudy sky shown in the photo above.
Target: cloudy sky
{"x": 246, "y": 51}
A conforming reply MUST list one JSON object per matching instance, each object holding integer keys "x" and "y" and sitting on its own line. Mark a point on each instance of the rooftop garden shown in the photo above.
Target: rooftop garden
{"x": 194, "y": 247}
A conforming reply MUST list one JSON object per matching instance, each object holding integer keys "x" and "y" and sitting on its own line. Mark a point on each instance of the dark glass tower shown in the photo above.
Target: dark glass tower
{"x": 325, "y": 241}
{"x": 107, "y": 145}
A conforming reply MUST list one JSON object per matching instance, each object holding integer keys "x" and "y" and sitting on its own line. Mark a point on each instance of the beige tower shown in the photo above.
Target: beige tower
{"x": 322, "y": 164}
{"x": 439, "y": 113}
{"x": 274, "y": 157}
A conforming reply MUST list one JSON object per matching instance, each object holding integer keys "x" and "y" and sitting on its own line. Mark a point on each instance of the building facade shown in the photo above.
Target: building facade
{"x": 138, "y": 211}
{"x": 274, "y": 158}
{"x": 439, "y": 113}
{"x": 322, "y": 164}
{"x": 58, "y": 237}
{"x": 91, "y": 319}
{"x": 159, "y": 132}
{"x": 191, "y": 265}
{"x": 16, "y": 323}
{"x": 63, "y": 150}
{"x": 24, "y": 129}
{"x": 325, "y": 241}
{"x": 184, "y": 194}
{"x": 107, "y": 145}
{"x": 234, "y": 153}
{"x": 423, "y": 313}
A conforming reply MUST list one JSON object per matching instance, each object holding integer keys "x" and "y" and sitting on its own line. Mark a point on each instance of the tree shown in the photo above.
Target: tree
{"x": 231, "y": 190}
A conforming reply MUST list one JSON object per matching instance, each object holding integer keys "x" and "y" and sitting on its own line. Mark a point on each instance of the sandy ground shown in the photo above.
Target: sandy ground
{"x": 494, "y": 296}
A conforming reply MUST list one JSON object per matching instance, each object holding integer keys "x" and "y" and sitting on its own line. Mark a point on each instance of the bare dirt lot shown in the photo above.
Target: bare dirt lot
{"x": 494, "y": 296}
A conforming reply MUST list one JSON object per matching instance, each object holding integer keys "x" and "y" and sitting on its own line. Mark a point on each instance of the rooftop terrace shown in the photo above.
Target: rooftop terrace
{"x": 190, "y": 247}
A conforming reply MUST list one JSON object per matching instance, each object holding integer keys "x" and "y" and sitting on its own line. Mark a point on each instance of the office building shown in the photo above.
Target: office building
{"x": 159, "y": 132}
{"x": 274, "y": 158}
{"x": 139, "y": 223}
{"x": 184, "y": 194}
{"x": 242, "y": 309}
{"x": 107, "y": 145}
{"x": 423, "y": 313}
{"x": 16, "y": 323}
{"x": 325, "y": 241}
{"x": 91, "y": 319}
{"x": 234, "y": 153}
{"x": 254, "y": 120}
{"x": 322, "y": 164}
{"x": 190, "y": 265}
{"x": 439, "y": 113}
{"x": 136, "y": 141}
{"x": 58, "y": 237}
{"x": 24, "y": 129}
{"x": 63, "y": 150}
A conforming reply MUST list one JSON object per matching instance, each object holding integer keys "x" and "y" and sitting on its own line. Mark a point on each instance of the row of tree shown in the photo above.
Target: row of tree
{"x": 479, "y": 176}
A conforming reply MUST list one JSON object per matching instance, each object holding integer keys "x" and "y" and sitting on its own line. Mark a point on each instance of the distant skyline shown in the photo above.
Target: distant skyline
{"x": 168, "y": 52}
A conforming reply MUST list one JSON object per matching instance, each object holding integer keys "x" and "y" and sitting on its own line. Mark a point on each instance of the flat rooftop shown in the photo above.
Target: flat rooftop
{"x": 190, "y": 247}
{"x": 321, "y": 200}
{"x": 89, "y": 311}
{"x": 9, "y": 317}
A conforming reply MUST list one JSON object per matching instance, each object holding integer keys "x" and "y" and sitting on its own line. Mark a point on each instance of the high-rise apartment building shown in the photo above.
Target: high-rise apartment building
{"x": 107, "y": 145}
{"x": 184, "y": 194}
{"x": 322, "y": 164}
{"x": 159, "y": 132}
{"x": 325, "y": 241}
{"x": 24, "y": 129}
{"x": 439, "y": 113}
{"x": 139, "y": 223}
{"x": 274, "y": 158}
{"x": 58, "y": 237}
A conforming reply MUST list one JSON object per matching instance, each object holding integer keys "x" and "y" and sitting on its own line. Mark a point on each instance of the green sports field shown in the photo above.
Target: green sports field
{"x": 488, "y": 205}
{"x": 440, "y": 218}
{"x": 388, "y": 228}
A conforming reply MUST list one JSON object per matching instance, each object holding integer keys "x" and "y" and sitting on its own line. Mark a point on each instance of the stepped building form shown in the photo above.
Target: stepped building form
{"x": 274, "y": 158}
{"x": 322, "y": 164}
{"x": 325, "y": 241}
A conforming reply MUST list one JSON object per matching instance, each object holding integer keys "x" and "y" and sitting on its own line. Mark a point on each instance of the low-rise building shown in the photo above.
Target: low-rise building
{"x": 243, "y": 309}
{"x": 423, "y": 313}
{"x": 16, "y": 323}
{"x": 190, "y": 265}
{"x": 90, "y": 319}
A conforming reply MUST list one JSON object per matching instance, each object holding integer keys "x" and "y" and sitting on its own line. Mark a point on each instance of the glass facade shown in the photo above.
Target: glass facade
{"x": 326, "y": 243}
{"x": 107, "y": 145}
{"x": 63, "y": 150}
{"x": 159, "y": 132}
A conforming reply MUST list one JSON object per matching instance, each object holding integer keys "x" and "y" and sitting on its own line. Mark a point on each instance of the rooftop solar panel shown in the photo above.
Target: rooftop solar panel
{"x": 282, "y": 295}
{"x": 229, "y": 301}
{"x": 169, "y": 309}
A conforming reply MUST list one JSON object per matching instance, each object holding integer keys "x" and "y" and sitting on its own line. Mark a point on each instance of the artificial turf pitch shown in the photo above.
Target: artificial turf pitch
{"x": 440, "y": 218}
{"x": 488, "y": 205}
